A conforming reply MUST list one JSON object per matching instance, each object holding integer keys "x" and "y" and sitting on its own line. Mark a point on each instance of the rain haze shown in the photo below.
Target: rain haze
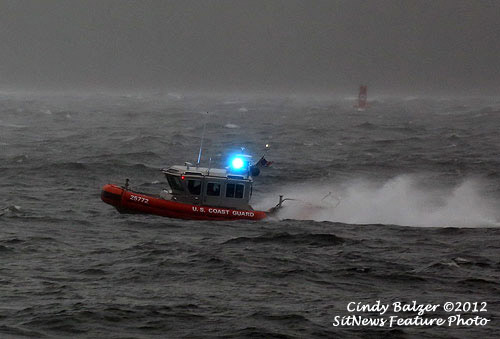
{"x": 283, "y": 46}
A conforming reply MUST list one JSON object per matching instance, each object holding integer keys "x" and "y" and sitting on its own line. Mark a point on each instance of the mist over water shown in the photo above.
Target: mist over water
{"x": 447, "y": 46}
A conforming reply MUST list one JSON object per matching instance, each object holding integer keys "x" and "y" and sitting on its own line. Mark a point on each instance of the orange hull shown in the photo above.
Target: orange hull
{"x": 131, "y": 202}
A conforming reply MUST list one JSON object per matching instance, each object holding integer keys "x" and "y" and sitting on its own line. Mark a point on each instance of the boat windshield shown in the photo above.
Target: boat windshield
{"x": 194, "y": 186}
{"x": 175, "y": 183}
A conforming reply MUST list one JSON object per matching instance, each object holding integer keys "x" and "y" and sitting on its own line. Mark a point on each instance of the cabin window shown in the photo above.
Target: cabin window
{"x": 175, "y": 183}
{"x": 239, "y": 191}
{"x": 235, "y": 190}
{"x": 229, "y": 190}
{"x": 213, "y": 189}
{"x": 194, "y": 186}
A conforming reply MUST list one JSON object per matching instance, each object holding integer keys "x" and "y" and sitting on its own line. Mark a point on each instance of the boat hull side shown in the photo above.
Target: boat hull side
{"x": 131, "y": 202}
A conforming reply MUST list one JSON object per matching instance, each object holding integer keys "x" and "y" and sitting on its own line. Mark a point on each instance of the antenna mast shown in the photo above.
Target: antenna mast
{"x": 201, "y": 142}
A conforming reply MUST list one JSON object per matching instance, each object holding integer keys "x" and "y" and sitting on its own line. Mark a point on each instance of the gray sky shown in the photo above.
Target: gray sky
{"x": 399, "y": 46}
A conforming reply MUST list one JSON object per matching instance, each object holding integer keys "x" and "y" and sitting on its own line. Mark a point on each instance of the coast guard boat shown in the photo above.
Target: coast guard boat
{"x": 197, "y": 193}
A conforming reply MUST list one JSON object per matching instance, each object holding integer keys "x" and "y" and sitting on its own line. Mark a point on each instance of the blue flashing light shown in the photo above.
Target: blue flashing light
{"x": 237, "y": 163}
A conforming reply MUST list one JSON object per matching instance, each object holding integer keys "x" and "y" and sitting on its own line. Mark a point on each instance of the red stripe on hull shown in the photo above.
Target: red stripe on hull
{"x": 126, "y": 201}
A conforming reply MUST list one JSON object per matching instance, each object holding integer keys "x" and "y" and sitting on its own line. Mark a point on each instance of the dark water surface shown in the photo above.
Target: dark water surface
{"x": 398, "y": 203}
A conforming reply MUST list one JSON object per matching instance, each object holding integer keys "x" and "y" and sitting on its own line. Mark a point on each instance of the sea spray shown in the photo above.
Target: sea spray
{"x": 402, "y": 200}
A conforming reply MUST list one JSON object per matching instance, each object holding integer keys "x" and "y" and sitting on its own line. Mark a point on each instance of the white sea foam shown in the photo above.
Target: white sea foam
{"x": 400, "y": 201}
{"x": 175, "y": 95}
{"x": 3, "y": 124}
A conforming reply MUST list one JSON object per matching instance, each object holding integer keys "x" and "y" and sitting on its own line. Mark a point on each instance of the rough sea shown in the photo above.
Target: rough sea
{"x": 399, "y": 203}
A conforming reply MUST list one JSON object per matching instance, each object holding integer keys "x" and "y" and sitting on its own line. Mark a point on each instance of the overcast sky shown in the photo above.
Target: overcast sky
{"x": 401, "y": 46}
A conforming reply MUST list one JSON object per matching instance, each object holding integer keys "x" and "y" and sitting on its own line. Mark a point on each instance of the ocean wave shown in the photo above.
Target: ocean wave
{"x": 315, "y": 240}
{"x": 77, "y": 268}
{"x": 12, "y": 210}
{"x": 9, "y": 125}
{"x": 68, "y": 166}
{"x": 19, "y": 331}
